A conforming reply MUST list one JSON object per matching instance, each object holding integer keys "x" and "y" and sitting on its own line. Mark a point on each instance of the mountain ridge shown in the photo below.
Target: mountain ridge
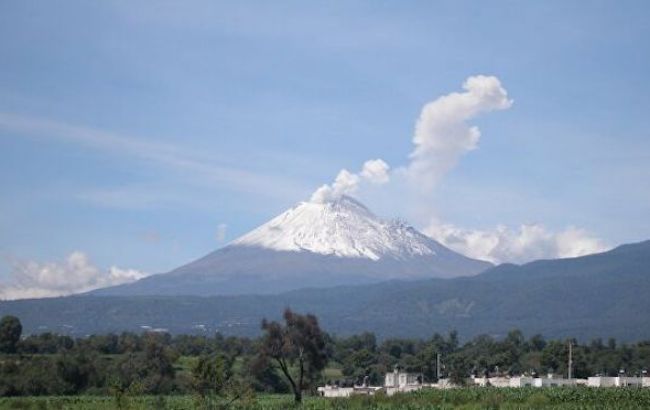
{"x": 591, "y": 299}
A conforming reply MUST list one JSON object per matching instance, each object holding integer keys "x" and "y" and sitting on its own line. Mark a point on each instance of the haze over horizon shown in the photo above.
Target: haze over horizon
{"x": 135, "y": 138}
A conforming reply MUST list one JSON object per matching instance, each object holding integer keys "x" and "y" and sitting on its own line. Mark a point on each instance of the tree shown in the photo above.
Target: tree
{"x": 79, "y": 370}
{"x": 458, "y": 367}
{"x": 264, "y": 377}
{"x": 297, "y": 348}
{"x": 10, "y": 331}
{"x": 213, "y": 377}
{"x": 555, "y": 356}
{"x": 150, "y": 371}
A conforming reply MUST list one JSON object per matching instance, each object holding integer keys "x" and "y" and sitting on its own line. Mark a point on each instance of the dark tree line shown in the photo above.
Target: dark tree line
{"x": 288, "y": 358}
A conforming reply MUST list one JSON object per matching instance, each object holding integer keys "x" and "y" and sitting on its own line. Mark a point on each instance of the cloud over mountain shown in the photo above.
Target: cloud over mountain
{"x": 75, "y": 274}
{"x": 442, "y": 136}
{"x": 517, "y": 245}
{"x": 374, "y": 171}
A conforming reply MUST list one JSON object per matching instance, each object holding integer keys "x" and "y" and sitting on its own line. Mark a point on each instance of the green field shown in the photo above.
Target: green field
{"x": 467, "y": 398}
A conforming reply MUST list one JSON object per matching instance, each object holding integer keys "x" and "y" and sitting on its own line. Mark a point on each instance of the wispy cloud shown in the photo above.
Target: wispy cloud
{"x": 222, "y": 230}
{"x": 199, "y": 167}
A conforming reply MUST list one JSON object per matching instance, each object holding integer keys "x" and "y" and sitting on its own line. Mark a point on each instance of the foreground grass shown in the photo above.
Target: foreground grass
{"x": 469, "y": 398}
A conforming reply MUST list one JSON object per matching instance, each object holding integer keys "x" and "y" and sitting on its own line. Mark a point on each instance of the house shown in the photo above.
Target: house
{"x": 402, "y": 379}
{"x": 401, "y": 382}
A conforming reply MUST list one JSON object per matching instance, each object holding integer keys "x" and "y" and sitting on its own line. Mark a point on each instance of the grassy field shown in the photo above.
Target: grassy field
{"x": 469, "y": 398}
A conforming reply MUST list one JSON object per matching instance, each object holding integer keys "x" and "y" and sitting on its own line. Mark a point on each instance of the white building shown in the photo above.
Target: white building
{"x": 492, "y": 381}
{"x": 442, "y": 384}
{"x": 394, "y": 382}
{"x": 625, "y": 381}
{"x": 402, "y": 382}
{"x": 335, "y": 391}
{"x": 526, "y": 381}
{"x": 601, "y": 381}
{"x": 619, "y": 381}
{"x": 556, "y": 381}
{"x": 522, "y": 381}
{"x": 401, "y": 379}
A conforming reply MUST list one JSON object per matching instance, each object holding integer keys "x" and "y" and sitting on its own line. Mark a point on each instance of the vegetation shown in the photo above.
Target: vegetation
{"x": 298, "y": 344}
{"x": 468, "y": 399}
{"x": 10, "y": 330}
{"x": 185, "y": 371}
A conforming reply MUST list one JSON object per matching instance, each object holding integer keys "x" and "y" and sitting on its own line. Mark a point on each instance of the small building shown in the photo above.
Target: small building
{"x": 553, "y": 381}
{"x": 402, "y": 382}
{"x": 601, "y": 381}
{"x": 442, "y": 384}
{"x": 526, "y": 381}
{"x": 522, "y": 381}
{"x": 394, "y": 382}
{"x": 627, "y": 381}
{"x": 618, "y": 381}
{"x": 499, "y": 381}
{"x": 402, "y": 379}
{"x": 335, "y": 391}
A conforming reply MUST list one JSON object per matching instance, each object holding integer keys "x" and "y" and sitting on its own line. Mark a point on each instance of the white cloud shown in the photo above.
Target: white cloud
{"x": 374, "y": 171}
{"x": 76, "y": 274}
{"x": 442, "y": 135}
{"x": 526, "y": 243}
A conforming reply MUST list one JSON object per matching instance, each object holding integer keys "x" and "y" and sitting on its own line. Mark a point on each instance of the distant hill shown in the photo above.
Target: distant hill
{"x": 602, "y": 295}
{"x": 338, "y": 242}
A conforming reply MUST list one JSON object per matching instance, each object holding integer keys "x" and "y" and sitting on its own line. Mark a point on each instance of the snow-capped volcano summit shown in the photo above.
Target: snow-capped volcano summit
{"x": 314, "y": 244}
{"x": 344, "y": 228}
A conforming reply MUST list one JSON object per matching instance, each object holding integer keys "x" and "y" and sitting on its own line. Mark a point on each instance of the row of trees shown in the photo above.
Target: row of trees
{"x": 289, "y": 357}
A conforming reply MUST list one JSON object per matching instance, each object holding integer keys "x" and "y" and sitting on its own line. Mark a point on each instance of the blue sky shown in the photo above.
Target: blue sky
{"x": 131, "y": 131}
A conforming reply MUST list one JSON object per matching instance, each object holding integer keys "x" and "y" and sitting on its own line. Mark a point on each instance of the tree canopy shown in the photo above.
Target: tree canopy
{"x": 10, "y": 331}
{"x": 297, "y": 348}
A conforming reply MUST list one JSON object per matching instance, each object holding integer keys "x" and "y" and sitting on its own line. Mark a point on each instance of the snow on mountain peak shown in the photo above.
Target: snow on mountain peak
{"x": 341, "y": 227}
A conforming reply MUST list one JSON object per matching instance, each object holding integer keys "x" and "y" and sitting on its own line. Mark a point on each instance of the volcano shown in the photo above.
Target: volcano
{"x": 338, "y": 242}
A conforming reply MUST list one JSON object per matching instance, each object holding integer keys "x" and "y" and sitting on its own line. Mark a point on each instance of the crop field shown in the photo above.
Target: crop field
{"x": 467, "y": 398}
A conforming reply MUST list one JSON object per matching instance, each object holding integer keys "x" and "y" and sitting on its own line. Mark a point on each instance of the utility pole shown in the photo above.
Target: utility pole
{"x": 570, "y": 358}
{"x": 438, "y": 366}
